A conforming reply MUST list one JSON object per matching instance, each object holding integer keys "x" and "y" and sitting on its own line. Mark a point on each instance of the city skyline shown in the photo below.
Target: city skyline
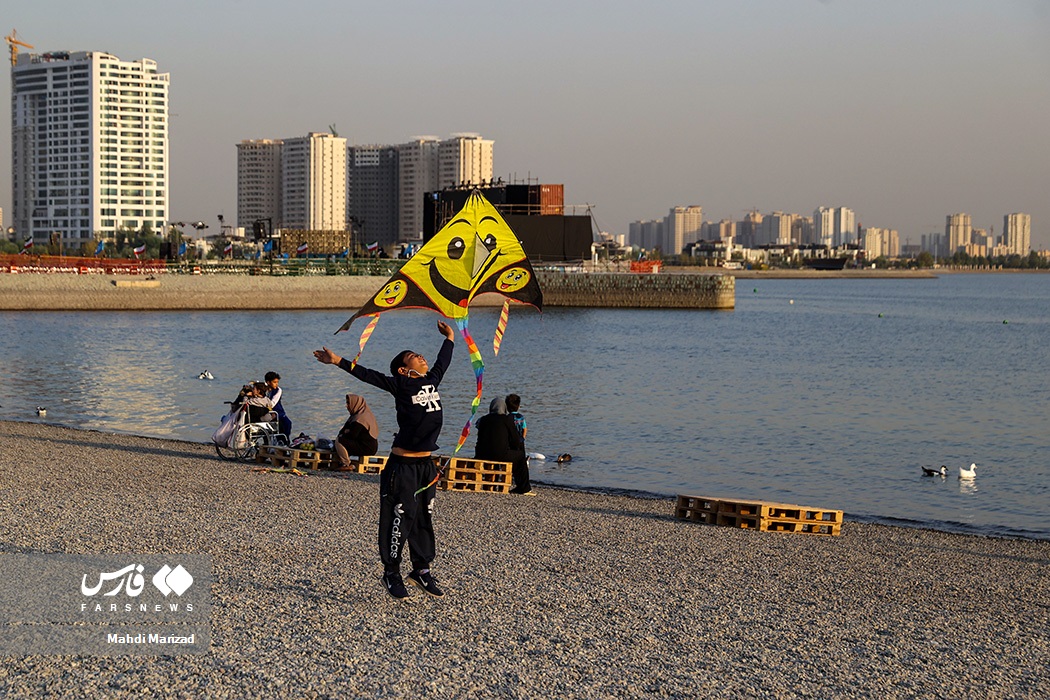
{"x": 904, "y": 112}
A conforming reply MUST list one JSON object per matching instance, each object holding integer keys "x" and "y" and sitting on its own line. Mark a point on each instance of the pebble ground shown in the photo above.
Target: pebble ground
{"x": 567, "y": 595}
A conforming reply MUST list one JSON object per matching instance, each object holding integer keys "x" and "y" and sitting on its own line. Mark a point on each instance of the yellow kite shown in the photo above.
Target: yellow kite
{"x": 474, "y": 253}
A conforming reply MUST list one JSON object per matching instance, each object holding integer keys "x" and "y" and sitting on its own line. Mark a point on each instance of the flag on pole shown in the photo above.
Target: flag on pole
{"x": 140, "y": 250}
{"x": 27, "y": 245}
{"x": 303, "y": 247}
{"x": 373, "y": 246}
{"x": 99, "y": 247}
{"x": 228, "y": 250}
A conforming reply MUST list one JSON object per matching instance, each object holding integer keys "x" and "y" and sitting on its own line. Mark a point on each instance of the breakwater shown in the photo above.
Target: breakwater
{"x": 74, "y": 292}
{"x": 639, "y": 291}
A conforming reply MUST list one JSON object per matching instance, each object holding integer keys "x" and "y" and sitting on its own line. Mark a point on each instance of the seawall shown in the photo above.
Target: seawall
{"x": 74, "y": 292}
{"x": 645, "y": 291}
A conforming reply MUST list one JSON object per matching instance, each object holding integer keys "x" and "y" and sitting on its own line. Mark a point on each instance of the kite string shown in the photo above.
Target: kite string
{"x": 365, "y": 335}
{"x": 497, "y": 339}
{"x": 479, "y": 371}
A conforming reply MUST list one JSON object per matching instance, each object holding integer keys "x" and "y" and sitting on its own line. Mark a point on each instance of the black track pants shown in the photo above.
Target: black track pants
{"x": 405, "y": 516}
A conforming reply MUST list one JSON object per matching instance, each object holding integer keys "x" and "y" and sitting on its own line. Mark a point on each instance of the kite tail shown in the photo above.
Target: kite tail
{"x": 497, "y": 339}
{"x": 479, "y": 371}
{"x": 365, "y": 335}
{"x": 441, "y": 463}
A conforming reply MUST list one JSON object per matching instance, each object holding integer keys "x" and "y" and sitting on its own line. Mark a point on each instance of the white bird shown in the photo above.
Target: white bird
{"x": 970, "y": 473}
{"x": 943, "y": 471}
{"x": 41, "y": 411}
{"x": 205, "y": 375}
{"x": 537, "y": 456}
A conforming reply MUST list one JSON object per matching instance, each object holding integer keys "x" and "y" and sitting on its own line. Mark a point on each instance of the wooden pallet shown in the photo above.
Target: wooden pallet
{"x": 476, "y": 475}
{"x": 372, "y": 464}
{"x": 763, "y": 516}
{"x": 292, "y": 458}
{"x": 696, "y": 509}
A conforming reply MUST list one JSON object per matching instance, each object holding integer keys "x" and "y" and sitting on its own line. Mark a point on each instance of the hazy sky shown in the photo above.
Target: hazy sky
{"x": 903, "y": 110}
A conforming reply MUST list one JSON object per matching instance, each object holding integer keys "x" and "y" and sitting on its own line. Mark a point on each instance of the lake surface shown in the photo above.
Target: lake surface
{"x": 825, "y": 393}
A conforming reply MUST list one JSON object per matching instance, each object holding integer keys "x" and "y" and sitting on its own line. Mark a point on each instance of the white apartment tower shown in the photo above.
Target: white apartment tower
{"x": 464, "y": 159}
{"x": 1017, "y": 233}
{"x": 89, "y": 146}
{"x": 258, "y": 182}
{"x": 957, "y": 230}
{"x": 682, "y": 227}
{"x": 426, "y": 164}
{"x": 834, "y": 226}
{"x": 313, "y": 176}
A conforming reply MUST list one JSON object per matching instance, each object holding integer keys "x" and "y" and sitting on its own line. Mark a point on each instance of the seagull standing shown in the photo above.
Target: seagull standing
{"x": 970, "y": 473}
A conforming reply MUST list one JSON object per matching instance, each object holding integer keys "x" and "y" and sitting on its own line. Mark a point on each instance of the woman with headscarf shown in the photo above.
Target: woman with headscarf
{"x": 499, "y": 441}
{"x": 359, "y": 436}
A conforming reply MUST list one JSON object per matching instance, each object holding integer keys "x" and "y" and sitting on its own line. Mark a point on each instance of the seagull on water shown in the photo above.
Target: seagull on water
{"x": 205, "y": 375}
{"x": 970, "y": 473}
{"x": 942, "y": 472}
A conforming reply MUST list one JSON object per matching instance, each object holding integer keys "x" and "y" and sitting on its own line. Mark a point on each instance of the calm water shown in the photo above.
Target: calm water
{"x": 828, "y": 393}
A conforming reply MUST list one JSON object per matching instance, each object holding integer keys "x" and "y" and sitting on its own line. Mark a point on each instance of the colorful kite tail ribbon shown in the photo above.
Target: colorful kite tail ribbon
{"x": 365, "y": 335}
{"x": 441, "y": 463}
{"x": 479, "y": 371}
{"x": 497, "y": 339}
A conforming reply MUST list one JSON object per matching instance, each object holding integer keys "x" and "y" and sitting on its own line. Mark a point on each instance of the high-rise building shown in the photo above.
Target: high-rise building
{"x": 747, "y": 229}
{"x": 682, "y": 227}
{"x": 89, "y": 146}
{"x": 313, "y": 182}
{"x": 417, "y": 175}
{"x": 464, "y": 159}
{"x": 372, "y": 193}
{"x": 957, "y": 230}
{"x": 426, "y": 164}
{"x": 258, "y": 182}
{"x": 647, "y": 234}
{"x": 775, "y": 229}
{"x": 834, "y": 226}
{"x": 1017, "y": 233}
{"x": 880, "y": 242}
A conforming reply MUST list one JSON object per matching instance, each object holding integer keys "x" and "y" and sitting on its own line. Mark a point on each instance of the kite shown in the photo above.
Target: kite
{"x": 476, "y": 252}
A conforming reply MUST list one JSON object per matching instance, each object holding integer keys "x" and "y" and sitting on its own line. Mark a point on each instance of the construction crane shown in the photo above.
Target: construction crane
{"x": 13, "y": 42}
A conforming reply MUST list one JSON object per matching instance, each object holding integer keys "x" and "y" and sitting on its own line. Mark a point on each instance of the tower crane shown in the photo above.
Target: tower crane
{"x": 13, "y": 42}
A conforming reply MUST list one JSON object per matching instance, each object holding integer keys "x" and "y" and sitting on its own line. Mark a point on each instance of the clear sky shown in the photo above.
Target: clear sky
{"x": 903, "y": 110}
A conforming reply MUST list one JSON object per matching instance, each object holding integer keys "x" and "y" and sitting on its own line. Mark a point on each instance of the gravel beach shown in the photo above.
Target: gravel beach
{"x": 568, "y": 594}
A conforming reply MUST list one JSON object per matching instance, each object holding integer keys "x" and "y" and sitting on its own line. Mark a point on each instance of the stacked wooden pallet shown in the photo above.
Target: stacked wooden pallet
{"x": 294, "y": 458}
{"x": 475, "y": 475}
{"x": 759, "y": 515}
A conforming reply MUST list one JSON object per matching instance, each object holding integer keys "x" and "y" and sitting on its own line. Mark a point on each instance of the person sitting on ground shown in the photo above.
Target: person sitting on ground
{"x": 498, "y": 441}
{"x": 275, "y": 393}
{"x": 260, "y": 407}
{"x": 359, "y": 436}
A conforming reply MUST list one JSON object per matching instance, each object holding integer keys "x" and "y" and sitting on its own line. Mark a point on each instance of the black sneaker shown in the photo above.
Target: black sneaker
{"x": 395, "y": 586}
{"x": 424, "y": 580}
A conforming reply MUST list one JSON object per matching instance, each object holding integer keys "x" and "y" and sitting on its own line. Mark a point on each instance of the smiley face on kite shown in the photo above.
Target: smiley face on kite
{"x": 512, "y": 280}
{"x": 392, "y": 294}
